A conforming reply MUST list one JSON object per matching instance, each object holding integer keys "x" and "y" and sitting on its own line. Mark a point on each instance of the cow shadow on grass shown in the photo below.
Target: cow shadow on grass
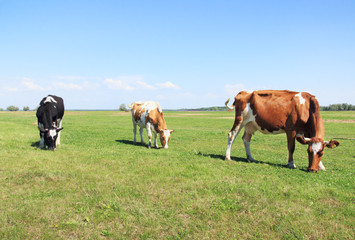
{"x": 35, "y": 144}
{"x": 238, "y": 159}
{"x": 221, "y": 157}
{"x": 129, "y": 142}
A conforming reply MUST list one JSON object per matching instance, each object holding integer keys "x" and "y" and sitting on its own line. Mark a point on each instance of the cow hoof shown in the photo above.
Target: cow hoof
{"x": 292, "y": 166}
{"x": 250, "y": 159}
{"x": 228, "y": 159}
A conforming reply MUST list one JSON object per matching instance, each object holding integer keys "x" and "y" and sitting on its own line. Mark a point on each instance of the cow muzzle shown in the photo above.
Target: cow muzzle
{"x": 312, "y": 170}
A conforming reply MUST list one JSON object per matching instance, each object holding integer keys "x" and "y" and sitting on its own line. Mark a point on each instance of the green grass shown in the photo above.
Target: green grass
{"x": 98, "y": 185}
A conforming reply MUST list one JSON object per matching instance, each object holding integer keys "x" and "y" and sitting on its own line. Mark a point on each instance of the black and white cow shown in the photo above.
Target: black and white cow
{"x": 50, "y": 115}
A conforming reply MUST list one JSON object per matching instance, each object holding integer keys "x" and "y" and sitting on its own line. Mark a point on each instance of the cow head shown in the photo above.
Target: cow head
{"x": 316, "y": 150}
{"x": 50, "y": 137}
{"x": 165, "y": 137}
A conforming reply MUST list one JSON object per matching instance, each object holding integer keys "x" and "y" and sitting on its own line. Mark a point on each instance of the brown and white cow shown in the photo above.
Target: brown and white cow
{"x": 273, "y": 111}
{"x": 149, "y": 115}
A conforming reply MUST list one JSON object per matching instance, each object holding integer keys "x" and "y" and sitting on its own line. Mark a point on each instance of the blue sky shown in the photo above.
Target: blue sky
{"x": 184, "y": 54}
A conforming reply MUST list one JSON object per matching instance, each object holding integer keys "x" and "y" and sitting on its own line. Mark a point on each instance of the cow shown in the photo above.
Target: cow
{"x": 149, "y": 115}
{"x": 281, "y": 111}
{"x": 49, "y": 116}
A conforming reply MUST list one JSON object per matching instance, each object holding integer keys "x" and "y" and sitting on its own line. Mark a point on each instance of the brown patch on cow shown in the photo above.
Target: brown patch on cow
{"x": 272, "y": 108}
{"x": 138, "y": 113}
{"x": 157, "y": 119}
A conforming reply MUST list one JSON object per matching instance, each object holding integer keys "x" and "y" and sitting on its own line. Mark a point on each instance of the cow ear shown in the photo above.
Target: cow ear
{"x": 59, "y": 129}
{"x": 331, "y": 144}
{"x": 302, "y": 140}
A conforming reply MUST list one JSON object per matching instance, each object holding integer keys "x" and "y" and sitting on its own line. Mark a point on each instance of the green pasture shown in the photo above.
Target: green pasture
{"x": 98, "y": 185}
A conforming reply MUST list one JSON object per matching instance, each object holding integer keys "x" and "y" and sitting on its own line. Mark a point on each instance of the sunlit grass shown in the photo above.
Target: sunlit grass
{"x": 99, "y": 185}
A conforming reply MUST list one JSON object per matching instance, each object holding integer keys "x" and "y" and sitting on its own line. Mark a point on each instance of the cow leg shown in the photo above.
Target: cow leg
{"x": 149, "y": 131}
{"x": 141, "y": 133}
{"x": 41, "y": 135}
{"x": 155, "y": 140}
{"x": 246, "y": 139}
{"x": 134, "y": 133}
{"x": 291, "y": 148}
{"x": 231, "y": 137}
{"x": 58, "y": 133}
{"x": 41, "y": 141}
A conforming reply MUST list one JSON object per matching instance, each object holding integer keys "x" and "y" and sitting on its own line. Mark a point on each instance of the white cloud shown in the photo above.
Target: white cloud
{"x": 167, "y": 85}
{"x": 117, "y": 84}
{"x": 145, "y": 85}
{"x": 30, "y": 85}
{"x": 67, "y": 86}
{"x": 127, "y": 83}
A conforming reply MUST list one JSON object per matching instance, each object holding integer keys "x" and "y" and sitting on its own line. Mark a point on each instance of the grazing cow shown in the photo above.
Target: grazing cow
{"x": 271, "y": 111}
{"x": 50, "y": 115}
{"x": 149, "y": 115}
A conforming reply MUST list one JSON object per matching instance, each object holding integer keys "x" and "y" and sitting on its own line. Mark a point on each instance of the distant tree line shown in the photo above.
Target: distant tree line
{"x": 13, "y": 108}
{"x": 339, "y": 107}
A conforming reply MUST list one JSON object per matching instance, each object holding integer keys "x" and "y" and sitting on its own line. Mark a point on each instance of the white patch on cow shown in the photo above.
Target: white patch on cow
{"x": 50, "y": 99}
{"x": 302, "y": 100}
{"x": 150, "y": 105}
{"x": 52, "y": 133}
{"x": 316, "y": 147}
{"x": 166, "y": 133}
{"x": 321, "y": 166}
{"x": 248, "y": 115}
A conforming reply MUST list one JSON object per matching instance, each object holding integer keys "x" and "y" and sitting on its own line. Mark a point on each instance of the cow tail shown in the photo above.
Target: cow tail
{"x": 229, "y": 107}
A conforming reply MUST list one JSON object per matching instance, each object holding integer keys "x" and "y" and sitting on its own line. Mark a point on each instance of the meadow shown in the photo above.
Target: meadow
{"x": 98, "y": 185}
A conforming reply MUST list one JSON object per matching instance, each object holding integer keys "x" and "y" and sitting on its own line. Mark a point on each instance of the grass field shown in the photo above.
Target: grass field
{"x": 98, "y": 185}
